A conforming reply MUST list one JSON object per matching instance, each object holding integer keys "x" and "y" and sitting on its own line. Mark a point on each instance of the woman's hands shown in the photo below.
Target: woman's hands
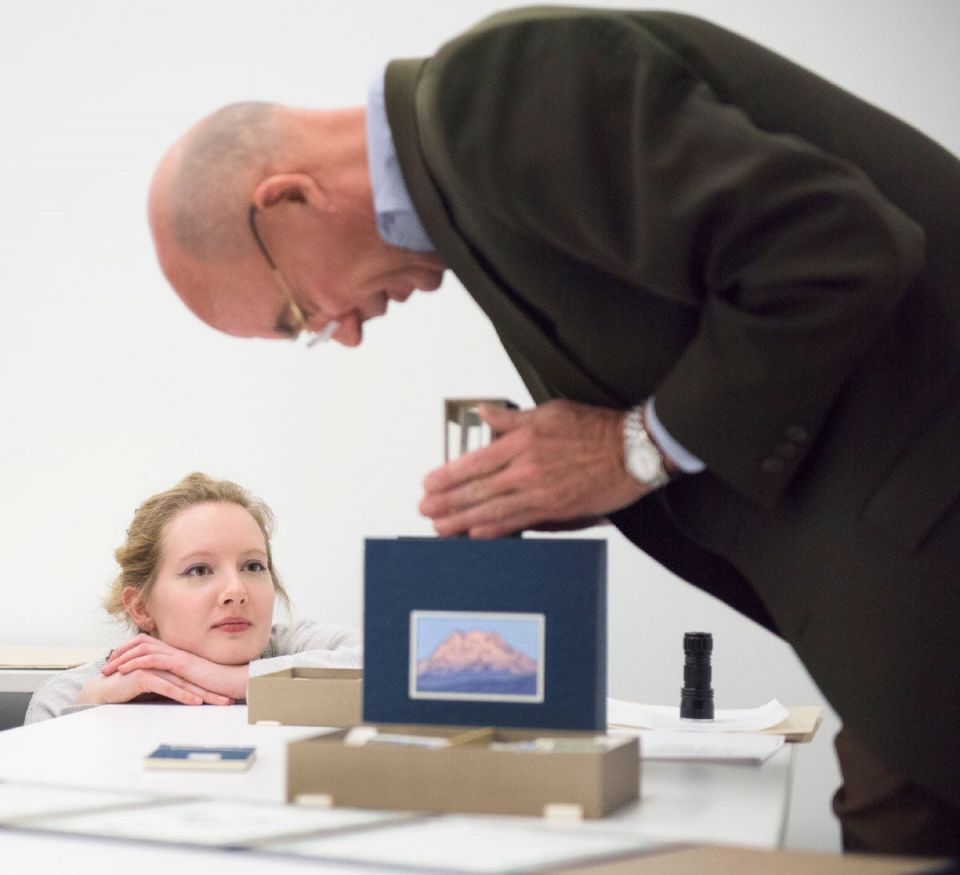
{"x": 120, "y": 688}
{"x": 143, "y": 664}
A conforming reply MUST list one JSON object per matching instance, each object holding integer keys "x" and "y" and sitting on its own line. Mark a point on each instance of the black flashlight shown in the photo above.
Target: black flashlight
{"x": 696, "y": 695}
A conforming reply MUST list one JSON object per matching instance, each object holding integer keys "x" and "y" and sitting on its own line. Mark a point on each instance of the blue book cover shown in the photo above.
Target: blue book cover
{"x": 174, "y": 756}
{"x": 508, "y": 632}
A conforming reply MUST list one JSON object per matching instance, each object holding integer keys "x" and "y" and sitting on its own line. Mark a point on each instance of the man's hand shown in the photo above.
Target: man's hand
{"x": 120, "y": 688}
{"x": 560, "y": 462}
{"x": 147, "y": 653}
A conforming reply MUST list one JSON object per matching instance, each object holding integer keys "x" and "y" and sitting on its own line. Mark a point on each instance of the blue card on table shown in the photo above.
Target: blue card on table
{"x": 174, "y": 756}
{"x": 508, "y": 632}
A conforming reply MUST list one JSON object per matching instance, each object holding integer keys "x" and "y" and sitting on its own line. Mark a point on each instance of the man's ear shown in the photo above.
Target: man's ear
{"x": 137, "y": 610}
{"x": 291, "y": 187}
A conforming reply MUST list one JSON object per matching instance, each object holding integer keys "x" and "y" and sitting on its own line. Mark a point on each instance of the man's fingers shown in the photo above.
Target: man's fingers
{"x": 502, "y": 528}
{"x": 502, "y": 419}
{"x": 469, "y": 494}
{"x": 487, "y": 460}
{"x": 506, "y": 524}
{"x": 559, "y": 462}
{"x": 516, "y": 493}
{"x": 479, "y": 463}
{"x": 499, "y": 514}
{"x": 570, "y": 525}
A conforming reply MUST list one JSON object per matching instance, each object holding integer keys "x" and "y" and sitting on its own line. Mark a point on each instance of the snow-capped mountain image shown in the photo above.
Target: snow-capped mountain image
{"x": 477, "y": 661}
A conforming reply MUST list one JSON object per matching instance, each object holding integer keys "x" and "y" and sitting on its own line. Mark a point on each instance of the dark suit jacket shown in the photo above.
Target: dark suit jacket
{"x": 644, "y": 203}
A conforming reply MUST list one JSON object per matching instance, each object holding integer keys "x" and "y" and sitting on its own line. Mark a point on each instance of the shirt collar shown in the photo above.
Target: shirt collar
{"x": 397, "y": 220}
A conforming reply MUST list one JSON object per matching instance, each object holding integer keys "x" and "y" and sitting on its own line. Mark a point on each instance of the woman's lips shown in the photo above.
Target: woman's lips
{"x": 233, "y": 624}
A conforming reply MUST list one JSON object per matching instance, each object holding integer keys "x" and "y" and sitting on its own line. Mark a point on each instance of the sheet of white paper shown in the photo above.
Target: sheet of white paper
{"x": 744, "y": 747}
{"x": 439, "y": 843}
{"x": 213, "y": 822}
{"x": 638, "y": 716}
{"x": 21, "y": 801}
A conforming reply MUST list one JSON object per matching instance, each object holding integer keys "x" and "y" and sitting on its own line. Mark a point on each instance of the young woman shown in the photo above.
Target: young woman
{"x": 197, "y": 582}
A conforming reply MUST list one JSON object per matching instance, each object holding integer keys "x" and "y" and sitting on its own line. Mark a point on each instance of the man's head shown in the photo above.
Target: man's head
{"x": 305, "y": 174}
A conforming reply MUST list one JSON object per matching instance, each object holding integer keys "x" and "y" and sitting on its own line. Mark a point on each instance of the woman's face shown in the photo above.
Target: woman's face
{"x": 214, "y": 594}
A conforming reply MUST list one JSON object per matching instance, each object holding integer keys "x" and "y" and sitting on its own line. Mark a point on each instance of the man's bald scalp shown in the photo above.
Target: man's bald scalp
{"x": 222, "y": 159}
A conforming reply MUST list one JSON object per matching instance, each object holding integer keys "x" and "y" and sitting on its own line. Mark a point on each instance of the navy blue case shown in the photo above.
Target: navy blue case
{"x": 561, "y": 581}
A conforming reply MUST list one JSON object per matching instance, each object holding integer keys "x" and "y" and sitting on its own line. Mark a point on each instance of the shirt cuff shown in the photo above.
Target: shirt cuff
{"x": 684, "y": 459}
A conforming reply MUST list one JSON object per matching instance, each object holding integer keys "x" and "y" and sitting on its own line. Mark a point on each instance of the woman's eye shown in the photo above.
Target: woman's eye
{"x": 254, "y": 565}
{"x": 198, "y": 571}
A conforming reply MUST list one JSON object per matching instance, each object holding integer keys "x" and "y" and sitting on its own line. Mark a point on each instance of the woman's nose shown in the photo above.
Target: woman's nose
{"x": 233, "y": 590}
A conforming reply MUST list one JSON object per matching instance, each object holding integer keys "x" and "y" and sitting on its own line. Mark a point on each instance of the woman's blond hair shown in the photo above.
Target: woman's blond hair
{"x": 139, "y": 556}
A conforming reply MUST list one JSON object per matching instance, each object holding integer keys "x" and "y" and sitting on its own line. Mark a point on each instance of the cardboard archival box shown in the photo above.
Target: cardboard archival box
{"x": 465, "y": 777}
{"x": 521, "y": 603}
{"x": 502, "y": 632}
{"x": 307, "y": 697}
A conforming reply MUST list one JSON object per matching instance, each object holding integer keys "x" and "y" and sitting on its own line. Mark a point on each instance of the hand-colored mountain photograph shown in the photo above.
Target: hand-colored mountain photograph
{"x": 477, "y": 656}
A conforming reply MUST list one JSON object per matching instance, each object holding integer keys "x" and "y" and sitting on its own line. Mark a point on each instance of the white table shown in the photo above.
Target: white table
{"x": 104, "y": 748}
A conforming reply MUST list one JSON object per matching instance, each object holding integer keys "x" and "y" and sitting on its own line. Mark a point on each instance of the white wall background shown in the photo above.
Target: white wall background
{"x": 110, "y": 390}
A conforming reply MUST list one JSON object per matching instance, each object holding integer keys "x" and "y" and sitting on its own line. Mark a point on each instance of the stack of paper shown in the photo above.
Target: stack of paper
{"x": 744, "y": 747}
{"x": 622, "y": 713}
{"x": 734, "y": 734}
{"x": 214, "y": 822}
{"x": 496, "y": 845}
{"x": 341, "y": 835}
{"x": 20, "y": 802}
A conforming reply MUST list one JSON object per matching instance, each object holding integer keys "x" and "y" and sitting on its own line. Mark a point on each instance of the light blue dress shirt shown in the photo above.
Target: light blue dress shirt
{"x": 399, "y": 225}
{"x": 397, "y": 220}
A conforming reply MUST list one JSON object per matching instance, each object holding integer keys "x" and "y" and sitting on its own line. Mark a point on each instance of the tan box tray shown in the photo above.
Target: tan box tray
{"x": 466, "y": 777}
{"x": 307, "y": 697}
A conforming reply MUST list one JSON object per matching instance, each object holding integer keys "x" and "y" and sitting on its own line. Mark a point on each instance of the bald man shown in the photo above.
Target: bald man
{"x": 306, "y": 174}
{"x": 734, "y": 290}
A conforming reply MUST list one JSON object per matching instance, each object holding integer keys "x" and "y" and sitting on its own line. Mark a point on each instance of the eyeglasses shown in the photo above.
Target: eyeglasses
{"x": 293, "y": 322}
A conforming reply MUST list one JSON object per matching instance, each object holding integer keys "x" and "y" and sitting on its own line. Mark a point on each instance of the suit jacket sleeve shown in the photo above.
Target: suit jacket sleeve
{"x": 583, "y": 131}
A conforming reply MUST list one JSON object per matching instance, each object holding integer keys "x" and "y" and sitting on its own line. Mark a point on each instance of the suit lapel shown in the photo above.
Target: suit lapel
{"x": 523, "y": 336}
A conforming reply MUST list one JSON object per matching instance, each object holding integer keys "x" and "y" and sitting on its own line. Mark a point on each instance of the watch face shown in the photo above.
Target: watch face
{"x": 644, "y": 462}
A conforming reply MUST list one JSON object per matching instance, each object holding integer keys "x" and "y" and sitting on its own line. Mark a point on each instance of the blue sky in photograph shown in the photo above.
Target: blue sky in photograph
{"x": 521, "y": 634}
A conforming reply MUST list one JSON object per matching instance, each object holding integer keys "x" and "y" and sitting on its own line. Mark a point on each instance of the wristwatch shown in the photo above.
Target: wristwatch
{"x": 642, "y": 456}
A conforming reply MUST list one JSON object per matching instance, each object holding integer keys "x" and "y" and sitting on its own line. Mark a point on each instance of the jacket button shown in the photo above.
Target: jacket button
{"x": 772, "y": 465}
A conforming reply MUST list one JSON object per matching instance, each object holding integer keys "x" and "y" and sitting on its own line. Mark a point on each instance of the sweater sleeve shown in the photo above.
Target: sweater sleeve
{"x": 57, "y": 696}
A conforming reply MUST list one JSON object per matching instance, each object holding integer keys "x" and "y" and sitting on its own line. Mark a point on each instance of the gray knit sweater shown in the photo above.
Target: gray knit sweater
{"x": 305, "y": 644}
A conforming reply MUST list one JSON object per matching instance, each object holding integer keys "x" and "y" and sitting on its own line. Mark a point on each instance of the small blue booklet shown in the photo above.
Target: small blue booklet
{"x": 173, "y": 756}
